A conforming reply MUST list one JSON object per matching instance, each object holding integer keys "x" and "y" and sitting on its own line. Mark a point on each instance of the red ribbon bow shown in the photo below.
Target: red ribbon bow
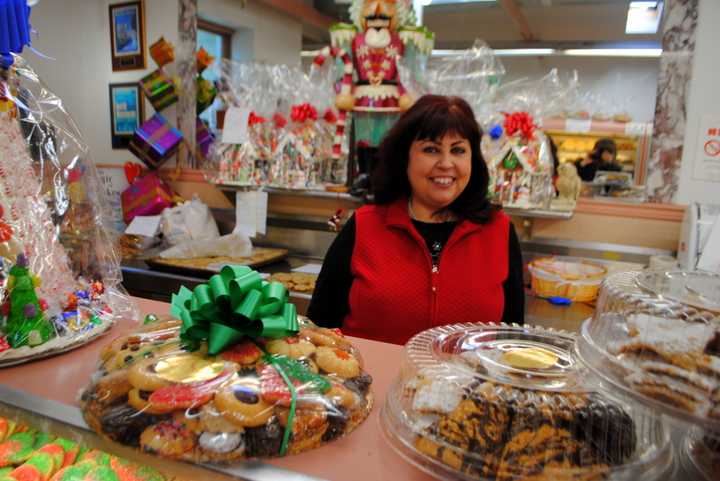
{"x": 519, "y": 122}
{"x": 279, "y": 120}
{"x": 330, "y": 116}
{"x": 301, "y": 113}
{"x": 255, "y": 119}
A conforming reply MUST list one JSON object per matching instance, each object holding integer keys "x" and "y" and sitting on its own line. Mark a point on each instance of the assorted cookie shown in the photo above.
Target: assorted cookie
{"x": 30, "y": 455}
{"x": 152, "y": 393}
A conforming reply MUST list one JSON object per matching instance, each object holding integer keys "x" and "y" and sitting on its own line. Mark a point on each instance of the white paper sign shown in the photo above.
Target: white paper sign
{"x": 235, "y": 127}
{"x": 707, "y": 154}
{"x": 251, "y": 212}
{"x": 114, "y": 183}
{"x": 145, "y": 225}
{"x": 575, "y": 125}
{"x": 710, "y": 257}
{"x": 309, "y": 268}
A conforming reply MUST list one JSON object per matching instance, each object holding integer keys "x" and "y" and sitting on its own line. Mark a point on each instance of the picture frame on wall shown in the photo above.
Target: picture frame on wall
{"x": 127, "y": 35}
{"x": 127, "y": 112}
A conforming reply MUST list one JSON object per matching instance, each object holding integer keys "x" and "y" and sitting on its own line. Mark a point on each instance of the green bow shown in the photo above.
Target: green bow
{"x": 234, "y": 304}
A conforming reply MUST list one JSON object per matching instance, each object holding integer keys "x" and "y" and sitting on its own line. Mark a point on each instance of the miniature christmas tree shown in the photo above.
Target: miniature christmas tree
{"x": 26, "y": 323}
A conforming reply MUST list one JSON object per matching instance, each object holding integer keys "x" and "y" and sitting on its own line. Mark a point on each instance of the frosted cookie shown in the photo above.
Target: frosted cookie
{"x": 290, "y": 346}
{"x": 337, "y": 361}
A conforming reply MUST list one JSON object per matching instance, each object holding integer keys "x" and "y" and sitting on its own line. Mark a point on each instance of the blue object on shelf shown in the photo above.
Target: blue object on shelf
{"x": 559, "y": 301}
{"x": 14, "y": 29}
{"x": 496, "y": 132}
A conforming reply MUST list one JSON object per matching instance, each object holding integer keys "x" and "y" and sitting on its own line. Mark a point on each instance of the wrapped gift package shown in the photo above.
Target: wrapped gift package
{"x": 155, "y": 141}
{"x": 147, "y": 195}
{"x": 223, "y": 388}
{"x": 571, "y": 278}
{"x": 206, "y": 93}
{"x": 162, "y": 52}
{"x": 159, "y": 89}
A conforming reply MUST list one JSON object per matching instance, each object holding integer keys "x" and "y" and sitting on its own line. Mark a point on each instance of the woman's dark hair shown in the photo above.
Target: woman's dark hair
{"x": 601, "y": 146}
{"x": 430, "y": 118}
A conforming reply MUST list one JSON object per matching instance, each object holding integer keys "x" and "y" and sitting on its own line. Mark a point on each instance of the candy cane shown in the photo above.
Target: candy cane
{"x": 345, "y": 88}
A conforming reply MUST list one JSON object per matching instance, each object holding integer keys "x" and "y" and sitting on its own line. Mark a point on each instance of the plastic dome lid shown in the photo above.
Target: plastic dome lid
{"x": 499, "y": 402}
{"x": 654, "y": 348}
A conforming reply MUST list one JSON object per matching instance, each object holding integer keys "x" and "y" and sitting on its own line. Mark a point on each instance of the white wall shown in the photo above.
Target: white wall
{"x": 704, "y": 99}
{"x": 627, "y": 84}
{"x": 275, "y": 37}
{"x": 76, "y": 34}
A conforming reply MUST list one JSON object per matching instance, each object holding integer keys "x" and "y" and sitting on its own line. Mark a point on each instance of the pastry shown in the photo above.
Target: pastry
{"x": 187, "y": 405}
{"x": 39, "y": 456}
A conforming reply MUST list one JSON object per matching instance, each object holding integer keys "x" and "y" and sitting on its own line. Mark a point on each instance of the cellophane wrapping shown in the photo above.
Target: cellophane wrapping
{"x": 62, "y": 275}
{"x": 291, "y": 128}
{"x": 223, "y": 387}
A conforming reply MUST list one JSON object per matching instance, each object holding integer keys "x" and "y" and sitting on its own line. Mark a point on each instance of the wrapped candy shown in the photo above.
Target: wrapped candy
{"x": 240, "y": 377}
{"x": 54, "y": 229}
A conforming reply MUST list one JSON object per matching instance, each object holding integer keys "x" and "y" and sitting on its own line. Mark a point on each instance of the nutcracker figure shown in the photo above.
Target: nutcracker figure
{"x": 382, "y": 38}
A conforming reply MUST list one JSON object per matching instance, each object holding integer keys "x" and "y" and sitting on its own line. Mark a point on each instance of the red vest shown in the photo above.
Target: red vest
{"x": 395, "y": 293}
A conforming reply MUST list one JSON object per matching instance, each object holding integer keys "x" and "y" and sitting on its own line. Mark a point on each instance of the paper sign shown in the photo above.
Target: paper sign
{"x": 309, "y": 269}
{"x": 251, "y": 213}
{"x": 144, "y": 225}
{"x": 710, "y": 257}
{"x": 114, "y": 183}
{"x": 235, "y": 128}
{"x": 707, "y": 151}
{"x": 575, "y": 125}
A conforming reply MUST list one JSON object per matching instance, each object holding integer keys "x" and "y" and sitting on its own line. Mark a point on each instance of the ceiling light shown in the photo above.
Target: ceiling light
{"x": 643, "y": 17}
{"x": 613, "y": 52}
{"x": 522, "y": 52}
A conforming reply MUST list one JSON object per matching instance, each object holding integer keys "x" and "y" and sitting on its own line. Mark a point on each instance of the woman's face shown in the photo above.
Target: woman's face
{"x": 607, "y": 156}
{"x": 439, "y": 170}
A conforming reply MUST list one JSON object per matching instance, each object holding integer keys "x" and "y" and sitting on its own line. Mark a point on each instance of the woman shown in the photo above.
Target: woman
{"x": 432, "y": 250}
{"x": 602, "y": 157}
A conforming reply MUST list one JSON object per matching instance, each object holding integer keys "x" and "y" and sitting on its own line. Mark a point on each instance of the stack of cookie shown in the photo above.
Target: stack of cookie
{"x": 153, "y": 394}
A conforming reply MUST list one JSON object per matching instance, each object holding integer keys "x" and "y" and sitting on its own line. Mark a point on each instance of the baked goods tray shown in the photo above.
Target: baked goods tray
{"x": 70, "y": 418}
{"x": 654, "y": 349}
{"x": 204, "y": 266}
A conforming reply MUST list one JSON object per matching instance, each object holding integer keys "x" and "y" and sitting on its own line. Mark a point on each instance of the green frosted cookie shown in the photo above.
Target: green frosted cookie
{"x": 44, "y": 463}
{"x": 16, "y": 449}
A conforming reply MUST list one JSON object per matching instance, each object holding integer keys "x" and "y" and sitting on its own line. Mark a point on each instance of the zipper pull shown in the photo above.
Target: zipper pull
{"x": 435, "y": 269}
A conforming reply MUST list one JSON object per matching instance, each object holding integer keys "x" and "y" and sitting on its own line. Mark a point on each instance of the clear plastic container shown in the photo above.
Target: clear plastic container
{"x": 701, "y": 455}
{"x": 661, "y": 352}
{"x": 153, "y": 393}
{"x": 499, "y": 402}
{"x": 575, "y": 279}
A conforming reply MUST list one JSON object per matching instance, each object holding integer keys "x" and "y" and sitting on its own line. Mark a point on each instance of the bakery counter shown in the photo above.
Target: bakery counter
{"x": 360, "y": 456}
{"x": 49, "y": 389}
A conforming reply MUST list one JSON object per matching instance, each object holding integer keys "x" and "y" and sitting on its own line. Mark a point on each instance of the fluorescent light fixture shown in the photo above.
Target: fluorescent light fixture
{"x": 613, "y": 52}
{"x": 518, "y": 52}
{"x": 524, "y": 52}
{"x": 643, "y": 17}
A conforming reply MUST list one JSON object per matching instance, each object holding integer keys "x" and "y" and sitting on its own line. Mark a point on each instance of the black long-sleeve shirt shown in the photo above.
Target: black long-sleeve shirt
{"x": 330, "y": 301}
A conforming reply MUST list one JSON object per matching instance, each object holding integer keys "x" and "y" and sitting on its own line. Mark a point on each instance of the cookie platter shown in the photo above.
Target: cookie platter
{"x": 653, "y": 348}
{"x": 484, "y": 402}
{"x": 154, "y": 393}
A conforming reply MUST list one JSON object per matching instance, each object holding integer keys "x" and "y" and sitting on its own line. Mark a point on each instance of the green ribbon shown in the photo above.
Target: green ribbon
{"x": 231, "y": 305}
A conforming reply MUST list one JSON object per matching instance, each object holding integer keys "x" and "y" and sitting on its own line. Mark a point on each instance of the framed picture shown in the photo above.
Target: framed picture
{"x": 127, "y": 36}
{"x": 126, "y": 113}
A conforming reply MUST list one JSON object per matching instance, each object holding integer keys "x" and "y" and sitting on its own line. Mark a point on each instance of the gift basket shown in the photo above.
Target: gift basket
{"x": 655, "y": 337}
{"x": 567, "y": 277}
{"x": 61, "y": 277}
{"x": 501, "y": 402}
{"x": 516, "y": 150}
{"x": 237, "y": 376}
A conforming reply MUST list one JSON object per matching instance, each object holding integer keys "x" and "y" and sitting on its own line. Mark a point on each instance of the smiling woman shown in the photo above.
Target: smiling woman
{"x": 433, "y": 250}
